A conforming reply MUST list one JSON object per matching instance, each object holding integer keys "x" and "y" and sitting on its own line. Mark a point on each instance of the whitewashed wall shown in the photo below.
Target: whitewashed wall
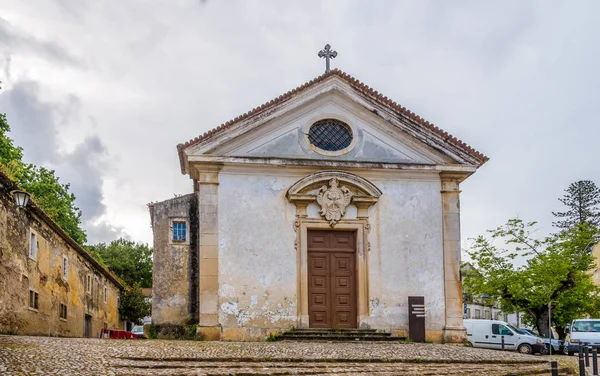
{"x": 406, "y": 256}
{"x": 257, "y": 260}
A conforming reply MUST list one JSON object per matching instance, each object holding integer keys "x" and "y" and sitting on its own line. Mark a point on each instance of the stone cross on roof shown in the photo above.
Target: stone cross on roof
{"x": 327, "y": 53}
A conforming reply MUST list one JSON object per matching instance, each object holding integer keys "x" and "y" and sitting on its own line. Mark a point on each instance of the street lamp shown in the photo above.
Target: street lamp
{"x": 21, "y": 198}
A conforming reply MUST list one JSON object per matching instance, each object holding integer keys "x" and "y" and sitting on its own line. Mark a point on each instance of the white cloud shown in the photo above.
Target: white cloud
{"x": 517, "y": 80}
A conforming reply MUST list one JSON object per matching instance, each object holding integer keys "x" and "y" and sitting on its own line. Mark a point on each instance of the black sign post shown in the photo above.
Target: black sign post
{"x": 416, "y": 318}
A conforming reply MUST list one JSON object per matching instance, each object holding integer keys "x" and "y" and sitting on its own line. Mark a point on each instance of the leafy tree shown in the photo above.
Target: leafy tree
{"x": 43, "y": 185}
{"x": 582, "y": 199}
{"x": 525, "y": 274}
{"x": 133, "y": 304}
{"x": 129, "y": 260}
{"x": 8, "y": 151}
{"x": 54, "y": 198}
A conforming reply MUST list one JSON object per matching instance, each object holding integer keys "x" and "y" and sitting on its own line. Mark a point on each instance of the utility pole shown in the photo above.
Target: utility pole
{"x": 550, "y": 326}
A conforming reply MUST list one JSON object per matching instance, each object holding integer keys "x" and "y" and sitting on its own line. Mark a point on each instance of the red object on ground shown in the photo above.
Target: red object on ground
{"x": 117, "y": 334}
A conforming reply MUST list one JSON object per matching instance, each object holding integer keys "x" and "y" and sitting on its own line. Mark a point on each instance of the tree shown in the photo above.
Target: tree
{"x": 43, "y": 185}
{"x": 134, "y": 306}
{"x": 526, "y": 274}
{"x": 54, "y": 198}
{"x": 8, "y": 151}
{"x": 129, "y": 260}
{"x": 582, "y": 199}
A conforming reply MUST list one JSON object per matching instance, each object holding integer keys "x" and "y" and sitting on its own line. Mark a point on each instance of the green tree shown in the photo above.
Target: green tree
{"x": 54, "y": 198}
{"x": 133, "y": 305}
{"x": 43, "y": 185}
{"x": 525, "y": 274}
{"x": 582, "y": 200}
{"x": 129, "y": 260}
{"x": 8, "y": 151}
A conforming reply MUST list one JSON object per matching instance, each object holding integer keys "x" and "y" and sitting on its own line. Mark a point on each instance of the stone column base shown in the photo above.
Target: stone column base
{"x": 454, "y": 335}
{"x": 209, "y": 333}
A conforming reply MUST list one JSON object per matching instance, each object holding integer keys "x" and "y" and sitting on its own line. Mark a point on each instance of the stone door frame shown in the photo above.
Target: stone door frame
{"x": 359, "y": 227}
{"x": 364, "y": 195}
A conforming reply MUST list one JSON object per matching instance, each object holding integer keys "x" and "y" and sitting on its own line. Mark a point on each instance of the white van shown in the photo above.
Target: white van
{"x": 488, "y": 334}
{"x": 581, "y": 332}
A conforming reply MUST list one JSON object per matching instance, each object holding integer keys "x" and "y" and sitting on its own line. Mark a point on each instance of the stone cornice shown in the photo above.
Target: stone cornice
{"x": 228, "y": 160}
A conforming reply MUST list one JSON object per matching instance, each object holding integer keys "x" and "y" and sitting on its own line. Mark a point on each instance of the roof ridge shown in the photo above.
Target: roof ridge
{"x": 356, "y": 84}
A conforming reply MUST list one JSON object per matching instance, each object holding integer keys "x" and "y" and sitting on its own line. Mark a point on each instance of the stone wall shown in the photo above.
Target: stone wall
{"x": 257, "y": 259}
{"x": 20, "y": 273}
{"x": 175, "y": 264}
{"x": 406, "y": 257}
{"x": 258, "y": 274}
{"x": 258, "y": 262}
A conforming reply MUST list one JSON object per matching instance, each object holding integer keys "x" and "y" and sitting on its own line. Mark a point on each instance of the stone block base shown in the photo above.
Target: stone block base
{"x": 209, "y": 333}
{"x": 398, "y": 332}
{"x": 455, "y": 335}
{"x": 434, "y": 336}
{"x": 249, "y": 334}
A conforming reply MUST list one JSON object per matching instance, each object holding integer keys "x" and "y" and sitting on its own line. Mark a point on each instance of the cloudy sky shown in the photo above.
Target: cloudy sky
{"x": 103, "y": 91}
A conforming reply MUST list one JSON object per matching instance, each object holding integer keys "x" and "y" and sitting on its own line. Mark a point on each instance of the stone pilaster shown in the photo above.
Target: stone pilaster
{"x": 454, "y": 330}
{"x": 208, "y": 232}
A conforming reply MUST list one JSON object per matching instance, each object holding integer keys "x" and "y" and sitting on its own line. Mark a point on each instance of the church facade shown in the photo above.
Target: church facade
{"x": 326, "y": 207}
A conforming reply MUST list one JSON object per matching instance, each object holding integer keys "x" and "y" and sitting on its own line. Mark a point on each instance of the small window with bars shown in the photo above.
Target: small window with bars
{"x": 33, "y": 300}
{"x": 33, "y": 245}
{"x": 65, "y": 268}
{"x": 179, "y": 231}
{"x": 88, "y": 284}
{"x": 63, "y": 311}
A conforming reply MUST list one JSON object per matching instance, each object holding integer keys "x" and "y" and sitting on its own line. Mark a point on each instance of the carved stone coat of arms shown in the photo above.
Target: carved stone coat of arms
{"x": 333, "y": 200}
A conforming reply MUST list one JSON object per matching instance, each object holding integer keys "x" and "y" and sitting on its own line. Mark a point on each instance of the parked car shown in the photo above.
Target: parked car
{"x": 488, "y": 334}
{"x": 557, "y": 345}
{"x": 139, "y": 330}
{"x": 581, "y": 332}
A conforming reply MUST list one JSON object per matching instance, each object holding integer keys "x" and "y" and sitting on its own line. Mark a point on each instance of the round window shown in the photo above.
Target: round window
{"x": 330, "y": 135}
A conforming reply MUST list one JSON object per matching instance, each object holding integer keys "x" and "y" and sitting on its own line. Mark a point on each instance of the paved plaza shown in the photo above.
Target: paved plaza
{"x": 21, "y": 355}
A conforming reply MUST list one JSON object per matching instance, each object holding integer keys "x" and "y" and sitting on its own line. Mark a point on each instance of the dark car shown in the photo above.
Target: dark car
{"x": 557, "y": 345}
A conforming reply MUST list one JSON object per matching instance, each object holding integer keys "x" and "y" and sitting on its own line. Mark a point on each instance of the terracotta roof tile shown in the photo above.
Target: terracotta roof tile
{"x": 356, "y": 84}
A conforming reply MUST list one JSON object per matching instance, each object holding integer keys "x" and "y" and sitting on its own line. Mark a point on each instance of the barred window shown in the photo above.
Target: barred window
{"x": 65, "y": 268}
{"x": 63, "y": 311}
{"x": 33, "y": 245}
{"x": 33, "y": 299}
{"x": 179, "y": 232}
{"x": 330, "y": 135}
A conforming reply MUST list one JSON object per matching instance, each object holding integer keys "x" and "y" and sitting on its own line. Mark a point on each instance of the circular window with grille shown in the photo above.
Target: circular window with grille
{"x": 330, "y": 135}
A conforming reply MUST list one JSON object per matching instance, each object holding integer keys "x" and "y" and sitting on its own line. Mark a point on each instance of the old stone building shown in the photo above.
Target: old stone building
{"x": 49, "y": 285}
{"x": 326, "y": 207}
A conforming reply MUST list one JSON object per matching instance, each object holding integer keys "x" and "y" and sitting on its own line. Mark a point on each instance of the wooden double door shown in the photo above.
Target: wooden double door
{"x": 332, "y": 299}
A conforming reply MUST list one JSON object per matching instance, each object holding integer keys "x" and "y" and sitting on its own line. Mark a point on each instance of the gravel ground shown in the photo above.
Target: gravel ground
{"x": 21, "y": 355}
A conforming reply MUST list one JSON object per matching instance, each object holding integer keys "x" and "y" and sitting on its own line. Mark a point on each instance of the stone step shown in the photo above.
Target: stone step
{"x": 335, "y": 333}
{"x": 309, "y": 330}
{"x": 291, "y": 337}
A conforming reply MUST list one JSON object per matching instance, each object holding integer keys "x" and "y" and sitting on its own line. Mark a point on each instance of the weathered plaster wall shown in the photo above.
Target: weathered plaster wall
{"x": 19, "y": 273}
{"x": 175, "y": 265}
{"x": 257, "y": 260}
{"x": 406, "y": 257}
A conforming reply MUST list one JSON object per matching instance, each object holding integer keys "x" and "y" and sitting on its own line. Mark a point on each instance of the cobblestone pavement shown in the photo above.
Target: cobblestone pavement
{"x": 80, "y": 356}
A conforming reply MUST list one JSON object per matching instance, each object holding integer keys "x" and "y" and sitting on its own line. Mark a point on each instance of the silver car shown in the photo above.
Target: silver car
{"x": 139, "y": 330}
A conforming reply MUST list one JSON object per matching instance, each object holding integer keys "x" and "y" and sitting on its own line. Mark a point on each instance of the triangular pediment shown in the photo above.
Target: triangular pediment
{"x": 379, "y": 132}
